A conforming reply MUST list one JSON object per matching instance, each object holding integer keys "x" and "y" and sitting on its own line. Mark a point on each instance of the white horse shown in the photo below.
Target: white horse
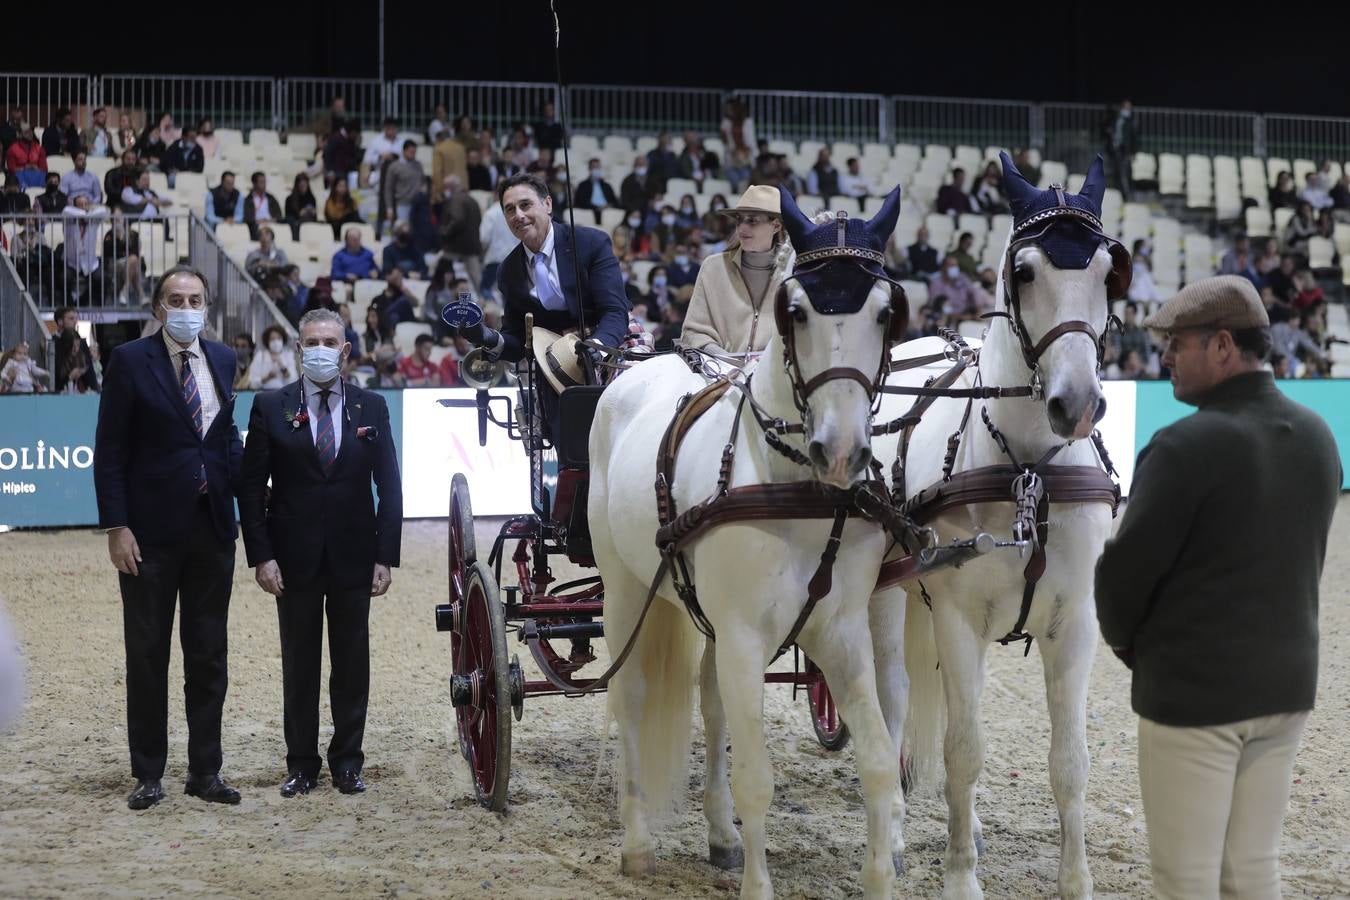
{"x": 980, "y": 603}
{"x": 751, "y": 577}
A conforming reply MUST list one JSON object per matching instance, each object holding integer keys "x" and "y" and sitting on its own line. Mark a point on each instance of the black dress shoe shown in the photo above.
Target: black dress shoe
{"x": 211, "y": 789}
{"x": 148, "y": 792}
{"x": 297, "y": 783}
{"x": 349, "y": 782}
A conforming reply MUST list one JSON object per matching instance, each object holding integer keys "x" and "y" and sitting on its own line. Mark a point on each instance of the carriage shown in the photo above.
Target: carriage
{"x": 495, "y": 600}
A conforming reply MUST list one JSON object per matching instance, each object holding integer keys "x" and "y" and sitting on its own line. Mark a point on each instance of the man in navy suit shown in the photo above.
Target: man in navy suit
{"x": 546, "y": 276}
{"x": 166, "y": 461}
{"x": 319, "y": 537}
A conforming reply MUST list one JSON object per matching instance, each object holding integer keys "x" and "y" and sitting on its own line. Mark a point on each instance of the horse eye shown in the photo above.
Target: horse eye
{"x": 1025, "y": 274}
{"x": 798, "y": 314}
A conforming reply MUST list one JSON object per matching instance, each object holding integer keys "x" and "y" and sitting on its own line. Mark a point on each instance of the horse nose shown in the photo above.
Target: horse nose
{"x": 857, "y": 463}
{"x": 1101, "y": 411}
{"x": 816, "y": 452}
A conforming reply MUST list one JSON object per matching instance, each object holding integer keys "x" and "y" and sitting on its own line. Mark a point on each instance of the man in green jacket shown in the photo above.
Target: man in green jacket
{"x": 1208, "y": 592}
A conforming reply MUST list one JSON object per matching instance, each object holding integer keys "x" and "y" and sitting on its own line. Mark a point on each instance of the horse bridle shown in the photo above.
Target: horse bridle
{"x": 1031, "y": 233}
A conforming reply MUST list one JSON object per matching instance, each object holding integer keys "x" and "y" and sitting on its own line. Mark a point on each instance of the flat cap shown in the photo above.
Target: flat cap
{"x": 1224, "y": 301}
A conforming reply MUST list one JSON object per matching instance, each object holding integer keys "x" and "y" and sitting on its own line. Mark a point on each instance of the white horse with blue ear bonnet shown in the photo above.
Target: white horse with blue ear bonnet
{"x": 812, "y": 391}
{"x": 1059, "y": 272}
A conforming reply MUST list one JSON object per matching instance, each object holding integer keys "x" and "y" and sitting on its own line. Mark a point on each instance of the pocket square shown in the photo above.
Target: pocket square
{"x": 367, "y": 433}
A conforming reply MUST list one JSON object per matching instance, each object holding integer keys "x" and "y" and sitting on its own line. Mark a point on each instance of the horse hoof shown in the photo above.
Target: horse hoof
{"x": 637, "y": 863}
{"x": 898, "y": 860}
{"x": 726, "y": 857}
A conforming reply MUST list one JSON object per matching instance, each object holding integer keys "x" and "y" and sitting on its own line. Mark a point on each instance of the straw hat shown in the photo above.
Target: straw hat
{"x": 558, "y": 358}
{"x": 758, "y": 198}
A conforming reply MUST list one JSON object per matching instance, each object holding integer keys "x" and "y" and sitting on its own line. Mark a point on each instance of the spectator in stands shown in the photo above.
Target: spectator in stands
{"x": 717, "y": 228}
{"x": 737, "y": 129}
{"x": 61, "y": 137}
{"x": 1142, "y": 287}
{"x": 659, "y": 293}
{"x": 823, "y": 179}
{"x": 636, "y": 190}
{"x": 381, "y": 152}
{"x": 1267, "y": 257}
{"x": 1281, "y": 280}
{"x": 401, "y": 254}
{"x": 450, "y": 157}
{"x": 1121, "y": 141}
{"x": 84, "y": 283}
{"x": 952, "y": 199}
{"x": 243, "y": 356}
{"x": 1134, "y": 336}
{"x": 738, "y": 170}
{"x": 548, "y": 131}
{"x": 450, "y": 362}
{"x": 481, "y": 176}
{"x": 1030, "y": 171}
{"x": 156, "y": 140}
{"x": 460, "y": 222}
{"x": 140, "y": 200}
{"x": 1248, "y": 270}
{"x": 630, "y": 290}
{"x": 26, "y": 158}
{"x": 1308, "y": 293}
{"x": 74, "y": 363}
{"x": 378, "y": 332}
{"x": 494, "y": 233}
{"x": 663, "y": 234}
{"x": 207, "y": 140}
{"x": 1340, "y": 194}
{"x": 120, "y": 177}
{"x": 340, "y": 207}
{"x": 1229, "y": 264}
{"x": 14, "y": 200}
{"x": 1324, "y": 176}
{"x": 440, "y": 291}
{"x": 341, "y": 154}
{"x": 923, "y": 258}
{"x": 418, "y": 370}
{"x": 353, "y": 261}
{"x": 520, "y": 153}
{"x": 273, "y": 365}
{"x": 1290, "y": 340}
{"x": 395, "y": 304}
{"x": 687, "y": 217}
{"x": 790, "y": 180}
{"x": 299, "y": 293}
{"x": 1300, "y": 228}
{"x": 267, "y": 258}
{"x": 852, "y": 182}
{"x": 10, "y": 128}
{"x": 766, "y": 170}
{"x": 184, "y": 155}
{"x": 958, "y": 298}
{"x": 52, "y": 200}
{"x": 387, "y": 376}
{"x": 125, "y": 138}
{"x": 260, "y": 207}
{"x": 988, "y": 194}
{"x": 300, "y": 205}
{"x": 969, "y": 267}
{"x": 439, "y": 125}
{"x": 1282, "y": 194}
{"x": 595, "y": 193}
{"x": 683, "y": 269}
{"x": 96, "y": 139}
{"x": 1314, "y": 193}
{"x": 694, "y": 162}
{"x": 20, "y": 373}
{"x": 403, "y": 180}
{"x": 122, "y": 258}
{"x": 344, "y": 312}
{"x": 1130, "y": 367}
{"x": 80, "y": 182}
{"x": 662, "y": 163}
{"x": 224, "y": 202}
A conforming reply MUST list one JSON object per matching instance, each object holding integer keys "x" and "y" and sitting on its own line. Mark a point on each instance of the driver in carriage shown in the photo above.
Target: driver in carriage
{"x": 540, "y": 276}
{"x": 723, "y": 318}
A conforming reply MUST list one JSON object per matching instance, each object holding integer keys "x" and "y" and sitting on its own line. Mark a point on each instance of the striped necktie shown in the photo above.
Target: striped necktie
{"x": 325, "y": 441}
{"x": 193, "y": 398}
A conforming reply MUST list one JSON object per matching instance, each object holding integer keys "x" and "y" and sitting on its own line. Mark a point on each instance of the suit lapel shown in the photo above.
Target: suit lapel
{"x": 352, "y": 405}
{"x": 567, "y": 270}
{"x": 162, "y": 369}
{"x": 302, "y": 436}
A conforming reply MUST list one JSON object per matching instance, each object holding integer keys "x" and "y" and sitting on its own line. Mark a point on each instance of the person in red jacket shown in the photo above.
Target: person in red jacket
{"x": 26, "y": 159}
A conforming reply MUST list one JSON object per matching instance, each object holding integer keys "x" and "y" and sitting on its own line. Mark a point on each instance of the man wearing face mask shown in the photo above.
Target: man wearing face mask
{"x": 595, "y": 193}
{"x": 636, "y": 191}
{"x": 184, "y": 156}
{"x": 320, "y": 544}
{"x": 166, "y": 462}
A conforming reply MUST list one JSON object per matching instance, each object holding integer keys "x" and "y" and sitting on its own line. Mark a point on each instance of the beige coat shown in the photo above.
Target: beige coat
{"x": 721, "y": 312}
{"x": 447, "y": 158}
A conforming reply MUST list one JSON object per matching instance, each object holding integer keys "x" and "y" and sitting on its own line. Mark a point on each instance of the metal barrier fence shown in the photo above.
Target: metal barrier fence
{"x": 238, "y": 305}
{"x": 800, "y": 115}
{"x": 40, "y": 95}
{"x": 233, "y": 102}
{"x": 305, "y": 104}
{"x": 606, "y": 109}
{"x": 975, "y": 123}
{"x": 498, "y": 105}
{"x": 1074, "y": 133}
{"x": 1297, "y": 137}
{"x": 21, "y": 321}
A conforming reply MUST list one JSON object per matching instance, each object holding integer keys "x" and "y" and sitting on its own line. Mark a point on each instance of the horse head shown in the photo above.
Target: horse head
{"x": 837, "y": 317}
{"x": 1060, "y": 270}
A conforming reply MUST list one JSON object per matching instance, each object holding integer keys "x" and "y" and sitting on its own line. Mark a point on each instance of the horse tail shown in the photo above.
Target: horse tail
{"x": 926, "y": 717}
{"x": 666, "y": 658}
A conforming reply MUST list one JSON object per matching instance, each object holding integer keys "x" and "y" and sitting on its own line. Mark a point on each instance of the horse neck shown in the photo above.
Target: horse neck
{"x": 771, "y": 389}
{"x": 1022, "y": 420}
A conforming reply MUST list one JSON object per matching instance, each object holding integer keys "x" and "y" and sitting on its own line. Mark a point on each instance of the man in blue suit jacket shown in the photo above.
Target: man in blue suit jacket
{"x": 543, "y": 276}
{"x": 319, "y": 543}
{"x": 167, "y": 460}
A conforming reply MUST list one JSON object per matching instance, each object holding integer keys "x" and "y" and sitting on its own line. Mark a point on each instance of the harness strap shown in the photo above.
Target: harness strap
{"x": 839, "y": 372}
{"x": 820, "y": 583}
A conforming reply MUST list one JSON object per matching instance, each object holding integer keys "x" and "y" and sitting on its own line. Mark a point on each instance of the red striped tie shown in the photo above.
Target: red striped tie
{"x": 325, "y": 442}
{"x": 193, "y": 398}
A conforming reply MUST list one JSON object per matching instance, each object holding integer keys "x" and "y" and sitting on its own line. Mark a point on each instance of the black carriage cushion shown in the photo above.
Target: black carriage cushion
{"x": 576, "y": 411}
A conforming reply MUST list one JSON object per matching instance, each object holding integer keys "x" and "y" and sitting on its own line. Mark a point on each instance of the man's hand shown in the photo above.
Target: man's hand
{"x": 380, "y": 581}
{"x": 124, "y": 552}
{"x": 268, "y": 576}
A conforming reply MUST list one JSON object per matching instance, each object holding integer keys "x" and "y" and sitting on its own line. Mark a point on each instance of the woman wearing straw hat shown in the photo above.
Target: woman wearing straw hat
{"x": 726, "y": 309}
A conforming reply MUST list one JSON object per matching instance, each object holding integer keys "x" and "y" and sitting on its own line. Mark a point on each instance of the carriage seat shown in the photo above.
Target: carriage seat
{"x": 576, "y": 411}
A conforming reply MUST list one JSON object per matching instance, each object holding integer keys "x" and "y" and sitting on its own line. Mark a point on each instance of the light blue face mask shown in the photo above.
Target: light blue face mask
{"x": 321, "y": 364}
{"x": 184, "y": 325}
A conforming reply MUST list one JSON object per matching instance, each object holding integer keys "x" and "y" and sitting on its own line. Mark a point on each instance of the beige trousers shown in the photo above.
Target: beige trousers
{"x": 1215, "y": 799}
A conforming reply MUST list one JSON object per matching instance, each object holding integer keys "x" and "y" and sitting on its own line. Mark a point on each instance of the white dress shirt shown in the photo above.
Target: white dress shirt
{"x": 201, "y": 370}
{"x": 554, "y": 280}
{"x": 312, "y": 402}
{"x": 379, "y": 146}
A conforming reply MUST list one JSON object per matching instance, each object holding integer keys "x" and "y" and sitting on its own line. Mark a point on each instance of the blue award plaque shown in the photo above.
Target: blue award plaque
{"x": 462, "y": 312}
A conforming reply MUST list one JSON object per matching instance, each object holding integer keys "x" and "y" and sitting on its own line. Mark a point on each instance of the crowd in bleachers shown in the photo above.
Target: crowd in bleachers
{"x": 387, "y": 225}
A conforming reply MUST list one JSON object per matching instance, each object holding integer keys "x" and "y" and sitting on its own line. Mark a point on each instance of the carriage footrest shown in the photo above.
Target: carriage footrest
{"x": 569, "y": 630}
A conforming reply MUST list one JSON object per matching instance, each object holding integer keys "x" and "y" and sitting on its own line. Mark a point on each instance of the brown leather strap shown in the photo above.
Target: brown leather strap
{"x": 751, "y": 503}
{"x": 1061, "y": 329}
{"x": 839, "y": 372}
{"x": 685, "y": 416}
{"x": 993, "y": 484}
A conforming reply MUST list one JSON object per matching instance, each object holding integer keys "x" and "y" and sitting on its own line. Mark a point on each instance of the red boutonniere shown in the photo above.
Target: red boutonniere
{"x": 367, "y": 433}
{"x": 301, "y": 417}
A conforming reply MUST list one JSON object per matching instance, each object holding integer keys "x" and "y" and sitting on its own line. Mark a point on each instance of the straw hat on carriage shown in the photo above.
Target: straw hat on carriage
{"x": 559, "y": 358}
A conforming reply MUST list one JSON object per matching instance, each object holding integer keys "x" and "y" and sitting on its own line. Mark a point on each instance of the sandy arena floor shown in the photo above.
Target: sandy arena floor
{"x": 65, "y": 829}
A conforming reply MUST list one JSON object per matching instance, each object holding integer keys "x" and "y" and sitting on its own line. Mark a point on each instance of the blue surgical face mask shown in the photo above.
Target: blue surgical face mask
{"x": 321, "y": 364}
{"x": 659, "y": 281}
{"x": 953, "y": 272}
{"x": 681, "y": 260}
{"x": 184, "y": 325}
{"x": 634, "y": 221}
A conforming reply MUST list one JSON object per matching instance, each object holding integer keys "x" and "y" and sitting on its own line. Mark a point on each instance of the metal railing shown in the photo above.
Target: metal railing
{"x": 232, "y": 102}
{"x": 20, "y": 320}
{"x": 238, "y": 305}
{"x": 1297, "y": 137}
{"x": 803, "y": 115}
{"x": 974, "y": 123}
{"x": 499, "y": 105}
{"x": 607, "y": 109}
{"x": 305, "y": 104}
{"x": 40, "y": 95}
{"x": 1075, "y": 132}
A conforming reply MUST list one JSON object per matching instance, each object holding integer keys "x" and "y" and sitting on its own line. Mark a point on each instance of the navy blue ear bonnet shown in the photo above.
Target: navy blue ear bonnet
{"x": 839, "y": 289}
{"x": 1072, "y": 229}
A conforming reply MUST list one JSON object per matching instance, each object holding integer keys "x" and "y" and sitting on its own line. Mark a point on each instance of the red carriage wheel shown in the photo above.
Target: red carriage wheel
{"x": 481, "y": 689}
{"x": 463, "y": 551}
{"x": 830, "y": 729}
